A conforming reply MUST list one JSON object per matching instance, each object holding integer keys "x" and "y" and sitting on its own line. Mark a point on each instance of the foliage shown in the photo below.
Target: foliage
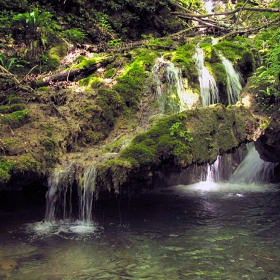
{"x": 38, "y": 26}
{"x": 177, "y": 129}
{"x": 270, "y": 71}
{"x": 9, "y": 63}
{"x": 75, "y": 35}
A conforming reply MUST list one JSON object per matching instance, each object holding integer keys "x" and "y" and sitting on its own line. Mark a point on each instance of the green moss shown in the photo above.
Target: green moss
{"x": 27, "y": 163}
{"x": 110, "y": 73}
{"x": 117, "y": 145}
{"x": 15, "y": 119}
{"x": 183, "y": 57}
{"x": 14, "y": 99}
{"x": 11, "y": 108}
{"x": 48, "y": 144}
{"x": 130, "y": 83}
{"x": 58, "y": 51}
{"x": 160, "y": 143}
{"x": 111, "y": 103}
{"x": 91, "y": 81}
{"x": 43, "y": 89}
{"x": 5, "y": 171}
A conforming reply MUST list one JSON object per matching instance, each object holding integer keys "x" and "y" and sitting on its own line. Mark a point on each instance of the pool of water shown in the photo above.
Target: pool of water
{"x": 200, "y": 231}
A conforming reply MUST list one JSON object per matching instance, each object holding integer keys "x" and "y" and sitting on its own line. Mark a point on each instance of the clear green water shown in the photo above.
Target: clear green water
{"x": 216, "y": 231}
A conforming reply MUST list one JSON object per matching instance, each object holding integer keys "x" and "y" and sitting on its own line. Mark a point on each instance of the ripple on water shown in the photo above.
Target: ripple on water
{"x": 68, "y": 229}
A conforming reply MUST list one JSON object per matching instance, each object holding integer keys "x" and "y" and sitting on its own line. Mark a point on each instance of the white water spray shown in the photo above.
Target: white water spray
{"x": 208, "y": 88}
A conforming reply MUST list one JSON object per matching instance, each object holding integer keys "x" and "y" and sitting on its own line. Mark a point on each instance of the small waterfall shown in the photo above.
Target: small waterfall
{"x": 208, "y": 88}
{"x": 59, "y": 195}
{"x": 213, "y": 171}
{"x": 86, "y": 195}
{"x": 59, "y": 202}
{"x": 253, "y": 169}
{"x": 170, "y": 89}
{"x": 234, "y": 80}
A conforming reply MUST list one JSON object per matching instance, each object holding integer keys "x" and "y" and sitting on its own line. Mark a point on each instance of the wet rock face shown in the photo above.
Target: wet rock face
{"x": 268, "y": 145}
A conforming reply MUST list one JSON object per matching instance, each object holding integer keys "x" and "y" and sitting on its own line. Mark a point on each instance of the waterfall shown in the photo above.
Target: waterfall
{"x": 86, "y": 195}
{"x": 170, "y": 89}
{"x": 253, "y": 169}
{"x": 59, "y": 204}
{"x": 234, "y": 79}
{"x": 213, "y": 171}
{"x": 59, "y": 195}
{"x": 208, "y": 88}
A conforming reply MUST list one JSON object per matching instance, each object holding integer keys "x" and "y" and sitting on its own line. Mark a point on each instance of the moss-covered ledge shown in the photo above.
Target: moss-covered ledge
{"x": 192, "y": 137}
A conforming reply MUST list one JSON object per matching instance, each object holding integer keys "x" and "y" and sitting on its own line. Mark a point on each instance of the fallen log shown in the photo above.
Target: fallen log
{"x": 74, "y": 73}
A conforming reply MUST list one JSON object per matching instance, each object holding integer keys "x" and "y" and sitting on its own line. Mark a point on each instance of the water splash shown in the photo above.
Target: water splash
{"x": 234, "y": 81}
{"x": 208, "y": 88}
{"x": 170, "y": 89}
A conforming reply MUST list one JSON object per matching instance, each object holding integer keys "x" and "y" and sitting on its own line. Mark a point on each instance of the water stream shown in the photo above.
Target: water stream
{"x": 208, "y": 88}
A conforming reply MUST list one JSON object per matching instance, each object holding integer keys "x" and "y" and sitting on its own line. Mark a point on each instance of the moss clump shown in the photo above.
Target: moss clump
{"x": 5, "y": 171}
{"x": 160, "y": 143}
{"x": 91, "y": 81}
{"x": 48, "y": 144}
{"x": 15, "y": 119}
{"x": 112, "y": 105}
{"x": 100, "y": 116}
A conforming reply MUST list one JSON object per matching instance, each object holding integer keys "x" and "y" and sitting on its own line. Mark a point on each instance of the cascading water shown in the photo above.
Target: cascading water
{"x": 234, "y": 80}
{"x": 86, "y": 195}
{"x": 59, "y": 195}
{"x": 170, "y": 90}
{"x": 208, "y": 88}
{"x": 253, "y": 169}
{"x": 213, "y": 171}
{"x": 59, "y": 199}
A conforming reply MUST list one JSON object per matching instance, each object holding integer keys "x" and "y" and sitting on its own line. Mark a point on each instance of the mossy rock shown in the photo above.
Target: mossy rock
{"x": 183, "y": 57}
{"x": 130, "y": 84}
